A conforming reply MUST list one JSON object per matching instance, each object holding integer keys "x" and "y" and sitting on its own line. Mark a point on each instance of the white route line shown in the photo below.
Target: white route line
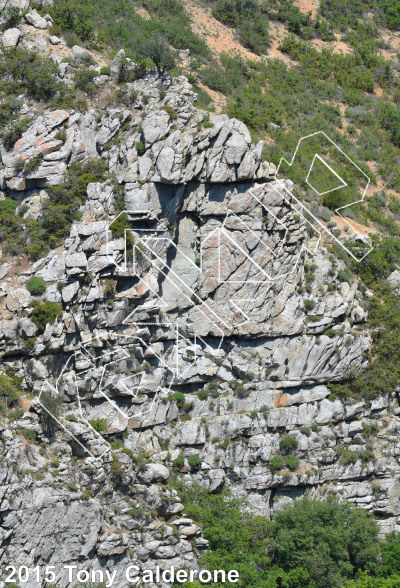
{"x": 362, "y": 237}
{"x": 84, "y": 352}
{"x": 46, "y": 383}
{"x": 344, "y": 184}
{"x": 177, "y": 277}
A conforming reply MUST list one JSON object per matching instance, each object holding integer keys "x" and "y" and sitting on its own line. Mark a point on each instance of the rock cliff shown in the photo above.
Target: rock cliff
{"x": 201, "y": 323}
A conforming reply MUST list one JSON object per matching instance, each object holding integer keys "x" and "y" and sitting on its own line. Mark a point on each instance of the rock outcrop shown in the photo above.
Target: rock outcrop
{"x": 201, "y": 325}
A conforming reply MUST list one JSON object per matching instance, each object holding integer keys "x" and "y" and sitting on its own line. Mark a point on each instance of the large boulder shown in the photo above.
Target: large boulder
{"x": 10, "y": 37}
{"x": 33, "y": 18}
{"x": 394, "y": 282}
{"x": 154, "y": 472}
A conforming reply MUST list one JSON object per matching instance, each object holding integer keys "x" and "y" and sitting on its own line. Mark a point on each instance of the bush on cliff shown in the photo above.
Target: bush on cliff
{"x": 45, "y": 312}
{"x": 310, "y": 544}
{"x": 36, "y": 286}
{"x": 37, "y": 236}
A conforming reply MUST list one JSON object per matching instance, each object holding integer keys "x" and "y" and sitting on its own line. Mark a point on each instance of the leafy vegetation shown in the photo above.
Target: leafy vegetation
{"x": 36, "y": 286}
{"x": 24, "y": 71}
{"x": 310, "y": 544}
{"x": 44, "y": 313}
{"x": 118, "y": 24}
{"x": 10, "y": 17}
{"x": 51, "y": 411}
{"x": 10, "y": 392}
{"x": 37, "y": 236}
{"x": 29, "y": 434}
{"x": 99, "y": 425}
{"x": 383, "y": 372}
{"x": 250, "y": 20}
{"x": 345, "y": 13}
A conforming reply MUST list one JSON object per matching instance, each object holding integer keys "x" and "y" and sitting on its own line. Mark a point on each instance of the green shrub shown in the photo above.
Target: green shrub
{"x": 29, "y": 434}
{"x": 16, "y": 414}
{"x": 179, "y": 398}
{"x": 109, "y": 287}
{"x": 31, "y": 165}
{"x": 10, "y": 17}
{"x": 170, "y": 111}
{"x": 202, "y": 394}
{"x": 140, "y": 148}
{"x": 84, "y": 80}
{"x": 116, "y": 470}
{"x": 19, "y": 164}
{"x": 329, "y": 333}
{"x": 61, "y": 135}
{"x": 73, "y": 15}
{"x": 30, "y": 73}
{"x": 157, "y": 49}
{"x": 37, "y": 237}
{"x": 344, "y": 276}
{"x": 179, "y": 462}
{"x": 135, "y": 512}
{"x": 13, "y": 134}
{"x": 120, "y": 225}
{"x": 194, "y": 461}
{"x": 10, "y": 390}
{"x": 250, "y": 20}
{"x": 309, "y": 304}
{"x": 105, "y": 71}
{"x": 287, "y": 443}
{"x": 292, "y": 462}
{"x": 364, "y": 580}
{"x": 99, "y": 425}
{"x": 348, "y": 457}
{"x": 276, "y": 463}
{"x": 45, "y": 312}
{"x": 237, "y": 539}
{"x": 305, "y": 431}
{"x": 117, "y": 444}
{"x": 68, "y": 99}
{"x": 36, "y": 286}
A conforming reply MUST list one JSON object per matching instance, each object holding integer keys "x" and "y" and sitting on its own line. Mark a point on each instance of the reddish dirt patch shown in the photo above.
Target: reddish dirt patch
{"x": 342, "y": 222}
{"x": 379, "y": 184}
{"x": 218, "y": 37}
{"x": 308, "y": 6}
{"x": 143, "y": 13}
{"x": 25, "y": 404}
{"x": 278, "y": 33}
{"x": 393, "y": 42}
{"x": 218, "y": 99}
{"x": 337, "y": 46}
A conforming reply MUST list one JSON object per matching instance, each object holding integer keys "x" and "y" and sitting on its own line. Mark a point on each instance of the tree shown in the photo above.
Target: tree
{"x": 390, "y": 561}
{"x": 237, "y": 539}
{"x": 158, "y": 50}
{"x": 366, "y": 581}
{"x": 329, "y": 539}
{"x": 74, "y": 15}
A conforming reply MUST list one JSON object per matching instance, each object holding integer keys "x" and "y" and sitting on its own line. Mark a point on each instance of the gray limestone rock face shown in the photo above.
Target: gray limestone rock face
{"x": 155, "y": 472}
{"x": 394, "y": 281}
{"x": 21, "y": 4}
{"x": 10, "y": 37}
{"x": 192, "y": 328}
{"x": 33, "y": 18}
